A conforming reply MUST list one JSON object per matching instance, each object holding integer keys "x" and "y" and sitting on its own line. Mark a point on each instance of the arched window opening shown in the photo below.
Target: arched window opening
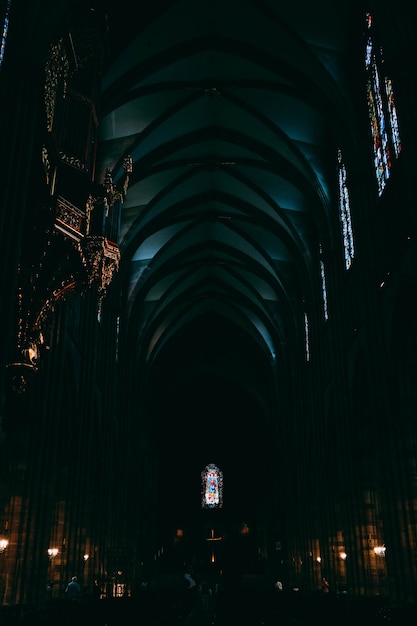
{"x": 5, "y": 31}
{"x": 212, "y": 487}
{"x": 344, "y": 212}
{"x": 382, "y": 110}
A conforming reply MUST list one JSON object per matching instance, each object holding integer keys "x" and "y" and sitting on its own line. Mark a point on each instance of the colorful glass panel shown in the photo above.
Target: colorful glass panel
{"x": 344, "y": 212}
{"x": 323, "y": 284}
{"x": 307, "y": 336}
{"x": 382, "y": 111}
{"x": 212, "y": 487}
{"x": 5, "y": 31}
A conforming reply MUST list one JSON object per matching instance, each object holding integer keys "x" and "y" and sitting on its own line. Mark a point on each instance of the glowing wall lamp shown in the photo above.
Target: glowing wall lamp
{"x": 52, "y": 552}
{"x": 379, "y": 550}
{"x": 3, "y": 544}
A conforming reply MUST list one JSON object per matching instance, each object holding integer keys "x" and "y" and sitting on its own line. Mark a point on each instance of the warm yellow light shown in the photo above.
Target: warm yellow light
{"x": 380, "y": 550}
{"x": 212, "y": 538}
{"x": 52, "y": 552}
{"x": 3, "y": 544}
{"x": 343, "y": 556}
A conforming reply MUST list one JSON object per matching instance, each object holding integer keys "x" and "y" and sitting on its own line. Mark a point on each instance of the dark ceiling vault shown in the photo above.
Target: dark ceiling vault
{"x": 232, "y": 112}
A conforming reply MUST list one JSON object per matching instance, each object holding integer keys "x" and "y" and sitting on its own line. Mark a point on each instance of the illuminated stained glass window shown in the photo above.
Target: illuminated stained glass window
{"x": 307, "y": 336}
{"x": 4, "y": 31}
{"x": 344, "y": 212}
{"x": 382, "y": 110}
{"x": 212, "y": 487}
{"x": 323, "y": 285}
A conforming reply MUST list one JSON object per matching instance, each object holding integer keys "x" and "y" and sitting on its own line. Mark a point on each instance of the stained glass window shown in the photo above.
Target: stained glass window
{"x": 344, "y": 212}
{"x": 323, "y": 284}
{"x": 4, "y": 31}
{"x": 212, "y": 487}
{"x": 382, "y": 110}
{"x": 307, "y": 336}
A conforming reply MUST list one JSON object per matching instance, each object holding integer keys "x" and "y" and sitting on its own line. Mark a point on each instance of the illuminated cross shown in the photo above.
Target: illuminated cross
{"x": 212, "y": 538}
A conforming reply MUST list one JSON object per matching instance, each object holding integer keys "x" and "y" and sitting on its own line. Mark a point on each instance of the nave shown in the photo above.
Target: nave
{"x": 209, "y": 257}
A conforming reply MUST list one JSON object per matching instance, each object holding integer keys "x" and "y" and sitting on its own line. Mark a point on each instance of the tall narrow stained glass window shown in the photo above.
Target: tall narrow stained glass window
{"x": 307, "y": 336}
{"x": 344, "y": 212}
{"x": 212, "y": 487}
{"x": 323, "y": 285}
{"x": 382, "y": 110}
{"x": 5, "y": 31}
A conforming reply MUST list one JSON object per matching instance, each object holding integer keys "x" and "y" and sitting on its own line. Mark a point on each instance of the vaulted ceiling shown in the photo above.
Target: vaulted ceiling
{"x": 231, "y": 111}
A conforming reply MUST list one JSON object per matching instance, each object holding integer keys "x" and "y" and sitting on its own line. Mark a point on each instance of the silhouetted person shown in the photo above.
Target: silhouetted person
{"x": 73, "y": 590}
{"x": 48, "y": 591}
{"x": 96, "y": 591}
{"x": 205, "y": 594}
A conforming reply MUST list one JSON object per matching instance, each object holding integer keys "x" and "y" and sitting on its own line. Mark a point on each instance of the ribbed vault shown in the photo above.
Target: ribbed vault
{"x": 231, "y": 112}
